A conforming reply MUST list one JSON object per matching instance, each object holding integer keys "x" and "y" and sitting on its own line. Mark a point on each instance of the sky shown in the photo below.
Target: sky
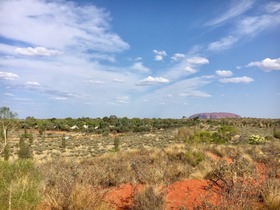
{"x": 140, "y": 58}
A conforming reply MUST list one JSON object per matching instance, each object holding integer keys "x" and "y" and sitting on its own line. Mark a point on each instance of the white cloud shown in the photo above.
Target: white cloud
{"x": 234, "y": 11}
{"x": 272, "y": 7}
{"x": 138, "y": 59}
{"x": 8, "y": 75}
{"x": 62, "y": 25}
{"x": 152, "y": 81}
{"x": 159, "y": 55}
{"x": 267, "y": 64}
{"x": 122, "y": 99}
{"x": 9, "y": 94}
{"x": 178, "y": 56}
{"x": 34, "y": 83}
{"x": 249, "y": 26}
{"x": 118, "y": 80}
{"x": 140, "y": 67}
{"x": 195, "y": 94}
{"x": 38, "y": 51}
{"x": 59, "y": 98}
{"x": 224, "y": 73}
{"x": 243, "y": 79}
{"x": 98, "y": 82}
{"x": 198, "y": 60}
{"x": 189, "y": 65}
{"x": 190, "y": 70}
{"x": 223, "y": 43}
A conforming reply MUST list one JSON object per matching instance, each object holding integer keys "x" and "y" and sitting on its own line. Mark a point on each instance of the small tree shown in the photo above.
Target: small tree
{"x": 6, "y": 152}
{"x": 116, "y": 144}
{"x": 24, "y": 151}
{"x": 63, "y": 141}
{"x": 7, "y": 122}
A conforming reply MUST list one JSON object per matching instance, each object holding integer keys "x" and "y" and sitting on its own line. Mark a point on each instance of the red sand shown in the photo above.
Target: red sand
{"x": 187, "y": 193}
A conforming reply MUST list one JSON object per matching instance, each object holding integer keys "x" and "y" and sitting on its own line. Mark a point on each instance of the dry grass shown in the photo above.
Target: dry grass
{"x": 271, "y": 194}
{"x": 148, "y": 199}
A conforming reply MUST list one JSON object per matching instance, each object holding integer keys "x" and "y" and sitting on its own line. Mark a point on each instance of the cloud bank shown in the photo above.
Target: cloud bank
{"x": 267, "y": 64}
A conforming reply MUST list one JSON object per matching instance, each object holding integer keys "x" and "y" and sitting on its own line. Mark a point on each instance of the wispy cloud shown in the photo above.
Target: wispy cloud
{"x": 159, "y": 55}
{"x": 197, "y": 60}
{"x": 122, "y": 99}
{"x": 189, "y": 65}
{"x": 195, "y": 94}
{"x": 37, "y": 51}
{"x": 246, "y": 26}
{"x": 139, "y": 67}
{"x": 117, "y": 80}
{"x": 152, "y": 81}
{"x": 178, "y": 57}
{"x": 190, "y": 70}
{"x": 58, "y": 98}
{"x": 61, "y": 25}
{"x": 9, "y": 94}
{"x": 243, "y": 79}
{"x": 224, "y": 73}
{"x": 272, "y": 7}
{"x": 223, "y": 43}
{"x": 180, "y": 91}
{"x": 8, "y": 75}
{"x": 33, "y": 83}
{"x": 237, "y": 8}
{"x": 267, "y": 64}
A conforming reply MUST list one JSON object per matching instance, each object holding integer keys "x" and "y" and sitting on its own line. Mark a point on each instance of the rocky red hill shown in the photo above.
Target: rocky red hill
{"x": 215, "y": 115}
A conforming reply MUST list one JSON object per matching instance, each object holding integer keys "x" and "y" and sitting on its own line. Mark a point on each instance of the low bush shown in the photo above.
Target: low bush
{"x": 271, "y": 194}
{"x": 20, "y": 185}
{"x": 276, "y": 132}
{"x": 194, "y": 157}
{"x": 148, "y": 199}
{"x": 256, "y": 139}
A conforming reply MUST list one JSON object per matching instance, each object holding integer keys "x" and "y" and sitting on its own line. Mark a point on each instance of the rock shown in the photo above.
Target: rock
{"x": 215, "y": 115}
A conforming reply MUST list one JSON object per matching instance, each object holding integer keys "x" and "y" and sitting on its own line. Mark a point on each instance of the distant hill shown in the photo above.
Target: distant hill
{"x": 215, "y": 115}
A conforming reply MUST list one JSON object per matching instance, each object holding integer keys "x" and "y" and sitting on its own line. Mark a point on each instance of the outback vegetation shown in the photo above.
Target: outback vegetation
{"x": 143, "y": 164}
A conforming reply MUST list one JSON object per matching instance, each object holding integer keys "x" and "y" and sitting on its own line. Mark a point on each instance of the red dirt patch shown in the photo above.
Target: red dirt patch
{"x": 261, "y": 171}
{"x": 216, "y": 157}
{"x": 187, "y": 193}
{"x": 121, "y": 196}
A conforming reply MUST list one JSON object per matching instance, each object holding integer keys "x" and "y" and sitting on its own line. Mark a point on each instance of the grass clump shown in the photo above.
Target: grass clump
{"x": 271, "y": 194}
{"x": 148, "y": 199}
{"x": 194, "y": 157}
{"x": 20, "y": 185}
{"x": 276, "y": 132}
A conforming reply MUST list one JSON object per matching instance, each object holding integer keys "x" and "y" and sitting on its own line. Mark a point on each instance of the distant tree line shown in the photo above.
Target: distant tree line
{"x": 114, "y": 124}
{"x": 111, "y": 124}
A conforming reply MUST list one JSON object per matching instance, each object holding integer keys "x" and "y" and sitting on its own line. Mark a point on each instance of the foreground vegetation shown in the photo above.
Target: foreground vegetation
{"x": 59, "y": 168}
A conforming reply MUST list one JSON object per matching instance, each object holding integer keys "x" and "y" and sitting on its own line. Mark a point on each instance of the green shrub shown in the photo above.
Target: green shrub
{"x": 6, "y": 152}
{"x": 63, "y": 141}
{"x": 194, "y": 157}
{"x": 202, "y": 136}
{"x": 185, "y": 134}
{"x": 20, "y": 185}
{"x": 276, "y": 133}
{"x": 256, "y": 139}
{"x": 227, "y": 132}
{"x": 218, "y": 139}
{"x": 116, "y": 144}
{"x": 24, "y": 151}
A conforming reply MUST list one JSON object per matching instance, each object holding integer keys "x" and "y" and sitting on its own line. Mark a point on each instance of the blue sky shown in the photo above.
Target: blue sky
{"x": 160, "y": 58}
